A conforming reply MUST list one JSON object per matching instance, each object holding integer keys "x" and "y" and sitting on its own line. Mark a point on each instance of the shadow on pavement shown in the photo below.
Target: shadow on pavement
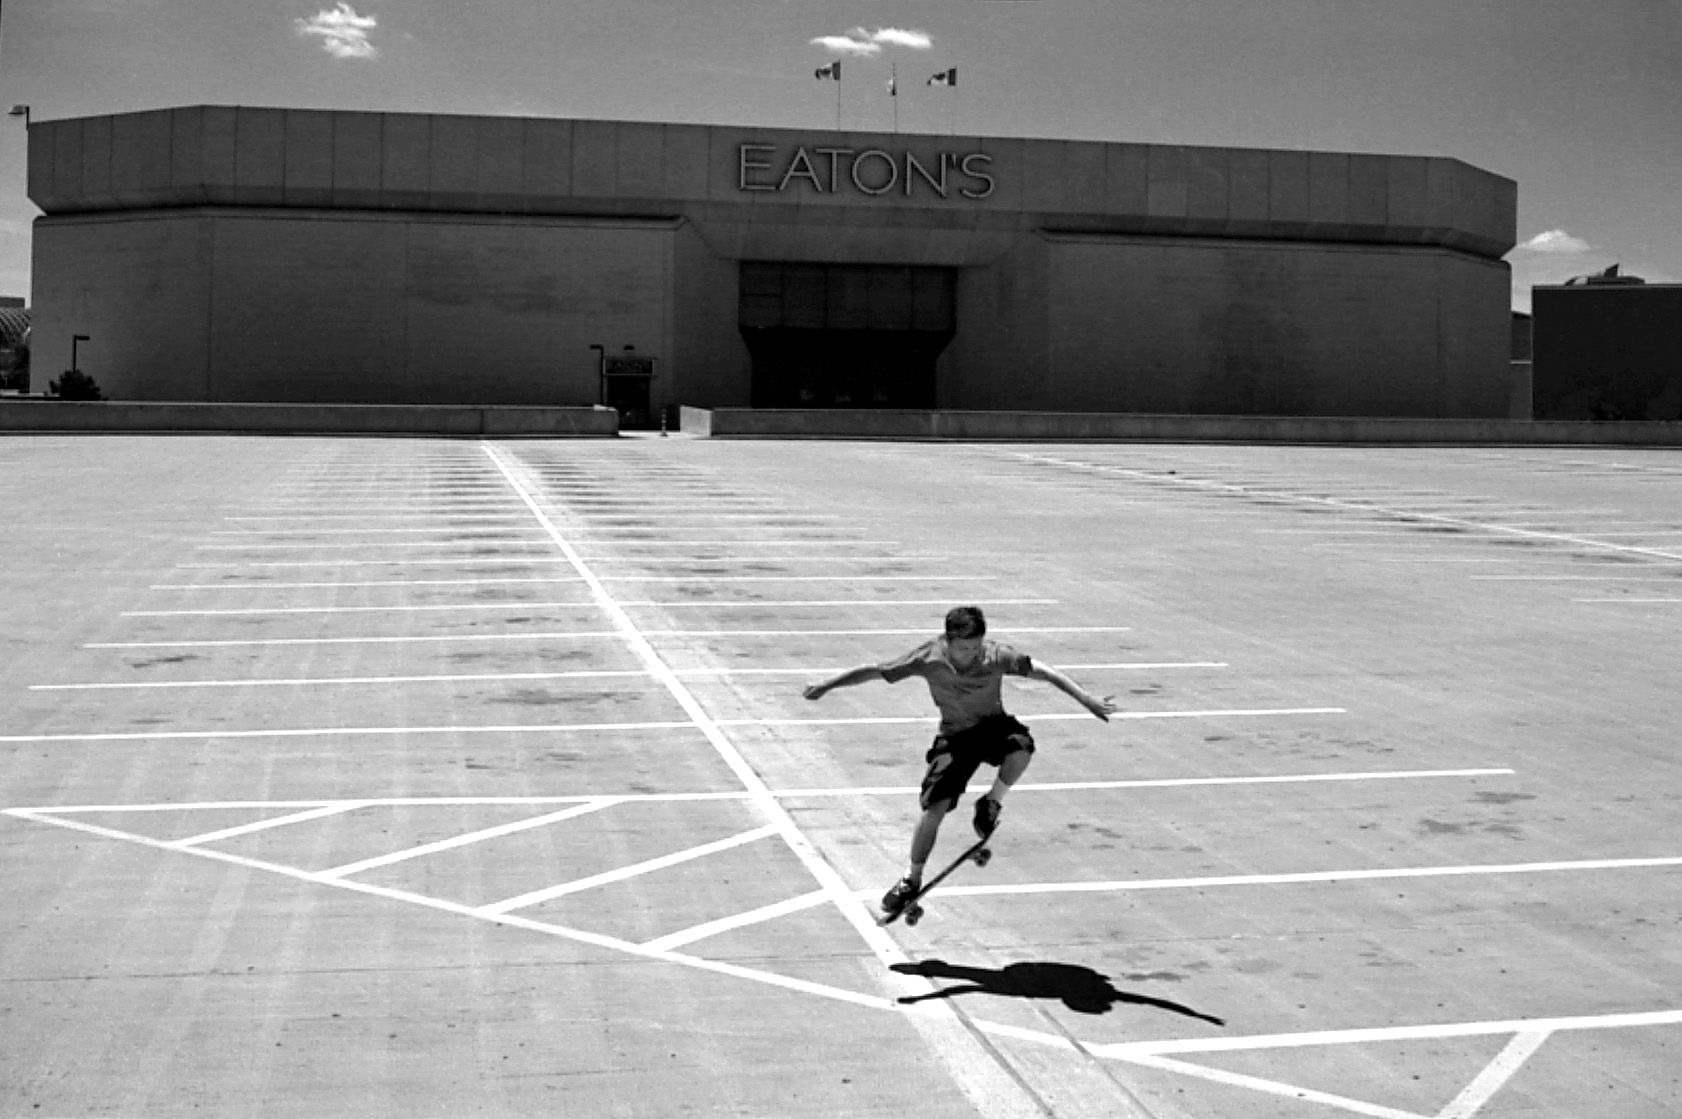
{"x": 1080, "y": 988}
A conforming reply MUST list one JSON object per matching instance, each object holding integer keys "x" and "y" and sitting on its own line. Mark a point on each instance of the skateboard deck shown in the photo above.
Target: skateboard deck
{"x": 978, "y": 853}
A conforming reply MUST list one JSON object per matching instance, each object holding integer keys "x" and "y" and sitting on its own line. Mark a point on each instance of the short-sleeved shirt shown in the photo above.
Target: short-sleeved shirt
{"x": 964, "y": 698}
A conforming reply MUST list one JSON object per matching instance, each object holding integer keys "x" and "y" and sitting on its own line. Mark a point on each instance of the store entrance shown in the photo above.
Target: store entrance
{"x": 845, "y": 336}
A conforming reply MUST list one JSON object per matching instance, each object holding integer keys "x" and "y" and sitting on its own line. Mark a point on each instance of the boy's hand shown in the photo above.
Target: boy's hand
{"x": 814, "y": 691}
{"x": 1102, "y": 708}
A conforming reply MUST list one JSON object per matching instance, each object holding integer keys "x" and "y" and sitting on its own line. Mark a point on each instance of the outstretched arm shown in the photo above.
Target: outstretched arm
{"x": 1102, "y": 707}
{"x": 863, "y": 674}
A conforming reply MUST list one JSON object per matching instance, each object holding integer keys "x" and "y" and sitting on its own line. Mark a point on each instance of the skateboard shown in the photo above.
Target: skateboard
{"x": 979, "y": 853}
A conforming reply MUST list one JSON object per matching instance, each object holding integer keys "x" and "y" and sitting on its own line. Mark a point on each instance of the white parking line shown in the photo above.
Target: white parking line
{"x": 581, "y": 634}
{"x": 619, "y": 874}
{"x": 265, "y": 825}
{"x": 669, "y": 724}
{"x": 577, "y": 674}
{"x": 1306, "y": 877}
{"x": 737, "y": 794}
{"x": 517, "y": 605}
{"x": 467, "y": 838}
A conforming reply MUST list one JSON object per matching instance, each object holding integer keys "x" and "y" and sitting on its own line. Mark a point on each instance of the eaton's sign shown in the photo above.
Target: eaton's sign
{"x": 868, "y": 171}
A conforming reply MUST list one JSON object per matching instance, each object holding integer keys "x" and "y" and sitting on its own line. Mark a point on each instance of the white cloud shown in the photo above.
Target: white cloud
{"x": 1556, "y": 241}
{"x": 343, "y": 33}
{"x": 862, "y": 42}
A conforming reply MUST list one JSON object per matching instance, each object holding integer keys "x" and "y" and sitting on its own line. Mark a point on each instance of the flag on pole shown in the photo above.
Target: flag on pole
{"x": 833, "y": 70}
{"x": 945, "y": 77}
{"x": 893, "y": 87}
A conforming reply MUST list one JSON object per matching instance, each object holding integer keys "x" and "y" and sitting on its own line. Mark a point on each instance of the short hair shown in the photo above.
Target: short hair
{"x": 965, "y": 621}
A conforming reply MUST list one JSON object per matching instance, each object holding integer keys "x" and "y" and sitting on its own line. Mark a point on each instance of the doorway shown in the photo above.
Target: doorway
{"x": 845, "y": 335}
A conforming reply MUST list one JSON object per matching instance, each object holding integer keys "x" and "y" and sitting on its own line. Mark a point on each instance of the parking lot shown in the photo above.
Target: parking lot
{"x": 449, "y": 777}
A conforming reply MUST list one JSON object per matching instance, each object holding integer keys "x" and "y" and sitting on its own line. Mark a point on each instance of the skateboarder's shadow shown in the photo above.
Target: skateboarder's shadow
{"x": 1081, "y": 989}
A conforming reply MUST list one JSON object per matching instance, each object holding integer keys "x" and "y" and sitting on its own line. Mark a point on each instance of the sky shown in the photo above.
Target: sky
{"x": 1578, "y": 101}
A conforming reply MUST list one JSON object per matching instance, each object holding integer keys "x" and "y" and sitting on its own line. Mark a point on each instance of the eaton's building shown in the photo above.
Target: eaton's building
{"x": 240, "y": 254}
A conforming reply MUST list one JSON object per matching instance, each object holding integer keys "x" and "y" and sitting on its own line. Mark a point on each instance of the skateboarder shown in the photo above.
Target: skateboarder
{"x": 963, "y": 671}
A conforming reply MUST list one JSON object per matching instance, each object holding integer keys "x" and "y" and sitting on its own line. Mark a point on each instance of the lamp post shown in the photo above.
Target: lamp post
{"x": 21, "y": 111}
{"x": 76, "y": 340}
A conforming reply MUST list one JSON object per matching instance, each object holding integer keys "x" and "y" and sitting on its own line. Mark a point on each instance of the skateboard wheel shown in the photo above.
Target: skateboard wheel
{"x": 913, "y": 915}
{"x": 984, "y": 856}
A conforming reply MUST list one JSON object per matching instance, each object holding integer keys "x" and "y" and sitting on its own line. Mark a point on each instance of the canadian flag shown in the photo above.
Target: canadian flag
{"x": 833, "y": 70}
{"x": 945, "y": 77}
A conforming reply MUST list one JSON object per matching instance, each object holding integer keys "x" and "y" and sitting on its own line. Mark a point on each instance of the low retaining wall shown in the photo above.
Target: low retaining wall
{"x": 748, "y": 423}
{"x": 307, "y": 419}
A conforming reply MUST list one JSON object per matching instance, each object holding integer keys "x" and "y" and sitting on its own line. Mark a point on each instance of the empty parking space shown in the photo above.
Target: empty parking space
{"x": 485, "y": 767}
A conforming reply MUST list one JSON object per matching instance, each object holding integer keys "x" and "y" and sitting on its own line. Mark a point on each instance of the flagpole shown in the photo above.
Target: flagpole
{"x": 893, "y": 92}
{"x": 838, "y": 103}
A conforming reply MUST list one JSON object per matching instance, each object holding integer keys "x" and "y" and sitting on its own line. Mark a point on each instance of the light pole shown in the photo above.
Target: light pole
{"x": 75, "y": 340}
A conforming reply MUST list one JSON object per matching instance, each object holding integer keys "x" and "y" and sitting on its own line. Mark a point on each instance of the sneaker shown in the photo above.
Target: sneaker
{"x": 902, "y": 893}
{"x": 987, "y": 816}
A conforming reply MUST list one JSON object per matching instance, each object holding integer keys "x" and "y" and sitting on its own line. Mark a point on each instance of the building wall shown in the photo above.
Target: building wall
{"x": 254, "y": 253}
{"x": 231, "y": 305}
{"x": 1607, "y": 351}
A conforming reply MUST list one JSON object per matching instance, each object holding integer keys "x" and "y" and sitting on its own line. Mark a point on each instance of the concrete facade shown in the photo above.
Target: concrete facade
{"x": 240, "y": 254}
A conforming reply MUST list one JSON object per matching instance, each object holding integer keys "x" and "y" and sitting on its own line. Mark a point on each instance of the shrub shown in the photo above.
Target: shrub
{"x": 75, "y": 385}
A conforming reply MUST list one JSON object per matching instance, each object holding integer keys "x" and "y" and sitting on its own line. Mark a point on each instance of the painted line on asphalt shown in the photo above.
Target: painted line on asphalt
{"x": 1433, "y": 1032}
{"x": 522, "y": 606}
{"x": 1311, "y": 877}
{"x": 467, "y": 838}
{"x": 265, "y": 825}
{"x": 619, "y": 874}
{"x": 264, "y": 584}
{"x": 582, "y": 634}
{"x": 795, "y": 794}
{"x": 737, "y": 921}
{"x": 1634, "y": 601}
{"x": 575, "y": 674}
{"x": 270, "y": 586}
{"x": 667, "y": 724}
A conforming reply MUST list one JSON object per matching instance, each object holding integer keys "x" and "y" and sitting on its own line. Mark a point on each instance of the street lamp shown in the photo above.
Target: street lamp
{"x": 20, "y": 111}
{"x": 75, "y": 340}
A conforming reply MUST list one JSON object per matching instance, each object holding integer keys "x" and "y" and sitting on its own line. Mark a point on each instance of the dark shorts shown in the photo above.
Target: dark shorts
{"x": 953, "y": 759}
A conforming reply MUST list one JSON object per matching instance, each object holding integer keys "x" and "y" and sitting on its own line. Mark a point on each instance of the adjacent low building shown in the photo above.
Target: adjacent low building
{"x": 1607, "y": 347}
{"x": 260, "y": 254}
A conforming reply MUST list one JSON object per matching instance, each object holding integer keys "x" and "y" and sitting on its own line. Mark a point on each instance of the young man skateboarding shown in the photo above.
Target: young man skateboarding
{"x": 963, "y": 671}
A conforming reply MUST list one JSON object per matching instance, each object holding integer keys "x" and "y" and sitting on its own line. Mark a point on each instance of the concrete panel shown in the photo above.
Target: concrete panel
{"x": 1127, "y": 180}
{"x": 1208, "y": 190}
{"x": 309, "y": 158}
{"x": 219, "y": 157}
{"x": 1044, "y": 177}
{"x": 709, "y": 362}
{"x": 1476, "y": 300}
{"x": 501, "y": 165}
{"x": 139, "y": 288}
{"x": 1485, "y": 210}
{"x": 260, "y": 157}
{"x": 453, "y": 165}
{"x": 640, "y": 158}
{"x": 1287, "y": 192}
{"x": 307, "y": 310}
{"x": 357, "y": 144}
{"x": 1008, "y": 170}
{"x": 406, "y": 161}
{"x": 140, "y": 158}
{"x": 1085, "y": 179}
{"x": 685, "y": 162}
{"x": 1168, "y": 192}
{"x": 595, "y": 159}
{"x": 1328, "y": 194}
{"x": 1439, "y": 199}
{"x": 1406, "y": 192}
{"x": 547, "y": 164}
{"x": 43, "y": 161}
{"x": 1369, "y": 196}
{"x": 186, "y": 157}
{"x": 505, "y": 312}
{"x": 96, "y": 162}
{"x": 1247, "y": 198}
